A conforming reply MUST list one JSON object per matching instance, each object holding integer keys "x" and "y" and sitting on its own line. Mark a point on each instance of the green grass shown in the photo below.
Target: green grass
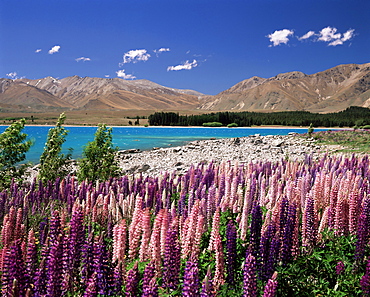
{"x": 355, "y": 141}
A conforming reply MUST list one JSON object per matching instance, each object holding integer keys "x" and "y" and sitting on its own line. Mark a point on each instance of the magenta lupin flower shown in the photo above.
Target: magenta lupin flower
{"x": 13, "y": 269}
{"x": 271, "y": 286}
{"x": 339, "y": 268}
{"x": 54, "y": 268}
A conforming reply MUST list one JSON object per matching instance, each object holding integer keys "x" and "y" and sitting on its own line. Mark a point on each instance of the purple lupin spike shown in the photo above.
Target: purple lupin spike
{"x": 255, "y": 229}
{"x": 365, "y": 281}
{"x": 132, "y": 281}
{"x": 362, "y": 232}
{"x": 171, "y": 261}
{"x": 13, "y": 269}
{"x": 149, "y": 280}
{"x": 191, "y": 280}
{"x": 250, "y": 277}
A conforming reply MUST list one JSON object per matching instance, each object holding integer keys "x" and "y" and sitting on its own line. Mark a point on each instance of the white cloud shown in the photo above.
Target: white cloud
{"x": 82, "y": 59}
{"x": 185, "y": 66}
{"x": 122, "y": 74}
{"x": 107, "y": 75}
{"x": 280, "y": 36}
{"x": 307, "y": 35}
{"x": 348, "y": 35}
{"x": 54, "y": 49}
{"x": 162, "y": 49}
{"x": 330, "y": 35}
{"x": 38, "y": 50}
{"x": 12, "y": 75}
{"x": 327, "y": 34}
{"x": 135, "y": 56}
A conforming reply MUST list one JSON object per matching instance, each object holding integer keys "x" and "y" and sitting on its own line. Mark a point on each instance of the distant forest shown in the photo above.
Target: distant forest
{"x": 352, "y": 116}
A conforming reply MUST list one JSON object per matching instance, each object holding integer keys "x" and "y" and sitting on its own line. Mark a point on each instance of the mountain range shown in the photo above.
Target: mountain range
{"x": 331, "y": 90}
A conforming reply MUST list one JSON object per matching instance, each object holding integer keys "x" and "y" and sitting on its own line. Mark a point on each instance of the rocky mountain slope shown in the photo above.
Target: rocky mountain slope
{"x": 331, "y": 90}
{"x": 93, "y": 93}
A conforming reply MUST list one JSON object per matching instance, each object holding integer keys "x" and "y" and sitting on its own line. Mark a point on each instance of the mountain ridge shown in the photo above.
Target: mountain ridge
{"x": 330, "y": 90}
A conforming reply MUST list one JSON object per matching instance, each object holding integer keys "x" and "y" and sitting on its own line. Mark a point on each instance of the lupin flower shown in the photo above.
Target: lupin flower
{"x": 230, "y": 252}
{"x": 309, "y": 233}
{"x": 101, "y": 267}
{"x": 250, "y": 277}
{"x": 31, "y": 257}
{"x": 118, "y": 279}
{"x": 362, "y": 232}
{"x": 339, "y": 268}
{"x": 207, "y": 286}
{"x": 145, "y": 225}
{"x": 13, "y": 269}
{"x": 365, "y": 281}
{"x": 171, "y": 261}
{"x": 91, "y": 290}
{"x": 191, "y": 279}
{"x": 271, "y": 286}
{"x": 255, "y": 233}
{"x": 150, "y": 288}
{"x": 132, "y": 281}
{"x": 54, "y": 268}
{"x": 119, "y": 241}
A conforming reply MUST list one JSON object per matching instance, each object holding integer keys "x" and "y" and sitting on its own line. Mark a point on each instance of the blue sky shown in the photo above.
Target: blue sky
{"x": 205, "y": 45}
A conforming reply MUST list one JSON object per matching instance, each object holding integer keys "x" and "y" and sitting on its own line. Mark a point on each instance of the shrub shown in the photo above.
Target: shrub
{"x": 232, "y": 125}
{"x": 212, "y": 124}
{"x": 366, "y": 127}
{"x": 310, "y": 130}
{"x": 13, "y": 148}
{"x": 99, "y": 161}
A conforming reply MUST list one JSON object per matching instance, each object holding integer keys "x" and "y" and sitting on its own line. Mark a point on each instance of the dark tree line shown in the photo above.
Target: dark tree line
{"x": 350, "y": 117}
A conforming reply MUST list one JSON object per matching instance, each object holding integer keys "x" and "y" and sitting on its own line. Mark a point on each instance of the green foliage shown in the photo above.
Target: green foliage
{"x": 352, "y": 140}
{"x": 99, "y": 157}
{"x": 53, "y": 163}
{"x": 212, "y": 124}
{"x": 366, "y": 127}
{"x": 314, "y": 274}
{"x": 232, "y": 125}
{"x": 13, "y": 149}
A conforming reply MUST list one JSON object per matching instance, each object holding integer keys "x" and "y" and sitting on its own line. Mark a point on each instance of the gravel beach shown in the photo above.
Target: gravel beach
{"x": 244, "y": 150}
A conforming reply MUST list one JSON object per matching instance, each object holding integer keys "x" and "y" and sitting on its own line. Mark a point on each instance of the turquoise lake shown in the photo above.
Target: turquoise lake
{"x": 143, "y": 138}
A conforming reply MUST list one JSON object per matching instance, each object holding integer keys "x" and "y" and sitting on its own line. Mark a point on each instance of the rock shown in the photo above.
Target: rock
{"x": 143, "y": 168}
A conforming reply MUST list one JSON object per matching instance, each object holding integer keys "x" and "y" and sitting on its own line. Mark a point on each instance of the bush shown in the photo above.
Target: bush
{"x": 232, "y": 125}
{"x": 366, "y": 127}
{"x": 212, "y": 124}
{"x": 53, "y": 163}
{"x": 13, "y": 148}
{"x": 99, "y": 161}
